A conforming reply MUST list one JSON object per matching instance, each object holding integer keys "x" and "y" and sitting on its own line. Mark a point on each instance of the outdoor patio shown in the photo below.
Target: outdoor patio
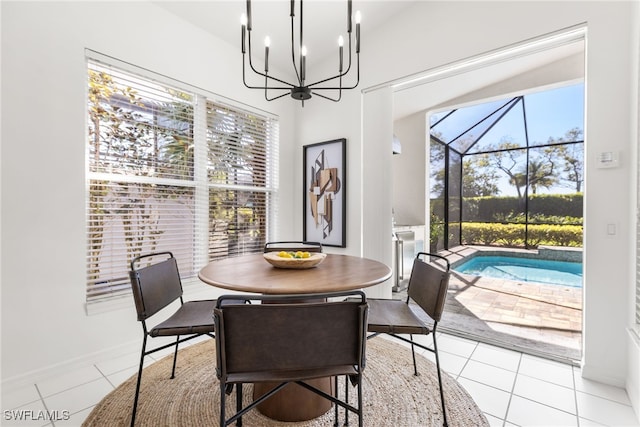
{"x": 539, "y": 319}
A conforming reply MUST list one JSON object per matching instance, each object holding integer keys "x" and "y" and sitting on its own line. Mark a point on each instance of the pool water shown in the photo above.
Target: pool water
{"x": 524, "y": 269}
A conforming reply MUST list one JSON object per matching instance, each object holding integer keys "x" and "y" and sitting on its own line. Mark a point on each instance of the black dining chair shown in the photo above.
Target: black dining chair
{"x": 428, "y": 285}
{"x": 155, "y": 285}
{"x": 289, "y": 339}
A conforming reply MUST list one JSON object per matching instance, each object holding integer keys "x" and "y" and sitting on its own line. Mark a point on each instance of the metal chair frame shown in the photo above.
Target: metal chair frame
{"x": 262, "y": 316}
{"x": 166, "y": 272}
{"x": 416, "y": 323}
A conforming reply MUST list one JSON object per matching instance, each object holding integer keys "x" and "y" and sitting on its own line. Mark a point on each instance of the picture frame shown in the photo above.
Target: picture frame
{"x": 324, "y": 192}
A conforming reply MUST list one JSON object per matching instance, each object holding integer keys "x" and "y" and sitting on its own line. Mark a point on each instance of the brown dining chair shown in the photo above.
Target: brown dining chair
{"x": 293, "y": 246}
{"x": 155, "y": 282}
{"x": 428, "y": 285}
{"x": 290, "y": 339}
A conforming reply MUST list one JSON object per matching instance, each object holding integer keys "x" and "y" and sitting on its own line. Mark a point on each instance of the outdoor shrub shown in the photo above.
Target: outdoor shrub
{"x": 511, "y": 234}
{"x": 474, "y": 233}
{"x": 556, "y": 204}
{"x": 564, "y": 235}
{"x": 491, "y": 208}
{"x": 480, "y": 233}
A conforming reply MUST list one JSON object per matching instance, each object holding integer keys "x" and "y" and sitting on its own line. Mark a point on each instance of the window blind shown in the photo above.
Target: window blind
{"x": 171, "y": 168}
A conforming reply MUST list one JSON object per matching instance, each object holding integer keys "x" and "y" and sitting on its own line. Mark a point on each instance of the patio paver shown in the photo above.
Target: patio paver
{"x": 535, "y": 318}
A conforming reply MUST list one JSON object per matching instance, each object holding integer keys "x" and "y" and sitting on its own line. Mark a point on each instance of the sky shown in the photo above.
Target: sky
{"x": 550, "y": 114}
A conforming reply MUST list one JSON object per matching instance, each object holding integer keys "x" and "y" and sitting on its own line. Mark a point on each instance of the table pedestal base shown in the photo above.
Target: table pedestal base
{"x": 293, "y": 402}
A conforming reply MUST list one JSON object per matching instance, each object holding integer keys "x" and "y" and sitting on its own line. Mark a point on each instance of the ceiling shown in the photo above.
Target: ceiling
{"x": 516, "y": 75}
{"x": 324, "y": 21}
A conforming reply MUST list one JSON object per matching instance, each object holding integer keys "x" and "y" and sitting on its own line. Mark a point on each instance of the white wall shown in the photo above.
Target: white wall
{"x": 43, "y": 107}
{"x": 424, "y": 37}
{"x": 43, "y": 174}
{"x": 633, "y": 333}
{"x": 408, "y": 170}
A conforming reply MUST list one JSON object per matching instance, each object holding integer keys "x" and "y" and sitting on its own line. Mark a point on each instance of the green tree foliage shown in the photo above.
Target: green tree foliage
{"x": 133, "y": 136}
{"x": 478, "y": 178}
{"x": 573, "y": 157}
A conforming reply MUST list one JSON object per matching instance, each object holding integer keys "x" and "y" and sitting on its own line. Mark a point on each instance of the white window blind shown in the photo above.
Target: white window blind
{"x": 170, "y": 168}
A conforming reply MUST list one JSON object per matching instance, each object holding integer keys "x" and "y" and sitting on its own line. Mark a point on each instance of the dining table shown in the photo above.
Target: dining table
{"x": 253, "y": 274}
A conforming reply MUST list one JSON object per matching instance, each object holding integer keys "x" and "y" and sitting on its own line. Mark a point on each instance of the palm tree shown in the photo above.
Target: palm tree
{"x": 541, "y": 174}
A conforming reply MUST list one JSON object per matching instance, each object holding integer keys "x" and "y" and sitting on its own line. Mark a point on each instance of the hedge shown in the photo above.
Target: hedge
{"x": 475, "y": 233}
{"x": 491, "y": 208}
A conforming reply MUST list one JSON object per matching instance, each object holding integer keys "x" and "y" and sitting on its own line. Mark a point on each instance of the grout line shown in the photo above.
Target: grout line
{"x": 492, "y": 387}
{"x": 513, "y": 388}
{"x": 575, "y": 395}
{"x": 475, "y": 347}
{"x": 46, "y": 408}
{"x": 106, "y": 377}
{"x": 550, "y": 382}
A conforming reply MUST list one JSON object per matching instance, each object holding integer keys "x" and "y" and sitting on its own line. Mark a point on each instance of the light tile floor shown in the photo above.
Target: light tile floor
{"x": 511, "y": 388}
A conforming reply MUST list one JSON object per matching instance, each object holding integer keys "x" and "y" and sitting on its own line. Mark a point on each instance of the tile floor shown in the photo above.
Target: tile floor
{"x": 511, "y": 388}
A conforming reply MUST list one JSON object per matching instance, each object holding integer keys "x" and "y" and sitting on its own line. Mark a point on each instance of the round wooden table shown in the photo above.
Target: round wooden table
{"x": 252, "y": 273}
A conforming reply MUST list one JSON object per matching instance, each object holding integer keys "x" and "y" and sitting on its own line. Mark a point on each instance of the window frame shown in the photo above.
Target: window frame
{"x": 199, "y": 180}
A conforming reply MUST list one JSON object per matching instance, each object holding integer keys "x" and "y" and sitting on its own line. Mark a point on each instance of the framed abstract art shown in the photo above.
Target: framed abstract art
{"x": 324, "y": 192}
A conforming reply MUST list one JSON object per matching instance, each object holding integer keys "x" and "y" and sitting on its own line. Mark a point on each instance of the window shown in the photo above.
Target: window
{"x": 171, "y": 168}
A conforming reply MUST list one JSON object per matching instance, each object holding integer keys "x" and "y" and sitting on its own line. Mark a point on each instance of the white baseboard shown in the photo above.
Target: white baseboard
{"x": 191, "y": 291}
{"x": 633, "y": 371}
{"x": 601, "y": 376}
{"x": 40, "y": 374}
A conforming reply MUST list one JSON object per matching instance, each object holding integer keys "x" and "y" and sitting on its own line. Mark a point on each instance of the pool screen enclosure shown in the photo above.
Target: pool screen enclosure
{"x": 517, "y": 162}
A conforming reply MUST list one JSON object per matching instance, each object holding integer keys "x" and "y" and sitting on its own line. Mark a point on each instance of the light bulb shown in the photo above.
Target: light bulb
{"x": 340, "y": 41}
{"x": 267, "y": 41}
{"x": 358, "y": 17}
{"x": 304, "y": 51}
{"x": 243, "y": 19}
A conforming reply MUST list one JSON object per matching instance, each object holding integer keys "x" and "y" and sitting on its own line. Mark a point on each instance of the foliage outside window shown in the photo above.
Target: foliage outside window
{"x": 510, "y": 172}
{"x": 171, "y": 169}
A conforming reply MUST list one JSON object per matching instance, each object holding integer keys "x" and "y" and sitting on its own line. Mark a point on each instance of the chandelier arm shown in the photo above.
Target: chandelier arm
{"x": 293, "y": 54}
{"x": 340, "y": 76}
{"x": 244, "y": 80}
{"x": 266, "y": 89}
{"x": 289, "y": 85}
{"x": 329, "y": 98}
{"x": 335, "y": 77}
{"x": 278, "y": 97}
{"x": 326, "y": 97}
{"x": 335, "y": 87}
{"x": 343, "y": 73}
{"x": 302, "y": 59}
{"x": 250, "y": 55}
{"x": 274, "y": 98}
{"x": 263, "y": 74}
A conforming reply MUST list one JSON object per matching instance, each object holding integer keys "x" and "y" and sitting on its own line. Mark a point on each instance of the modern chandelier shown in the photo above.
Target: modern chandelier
{"x": 300, "y": 89}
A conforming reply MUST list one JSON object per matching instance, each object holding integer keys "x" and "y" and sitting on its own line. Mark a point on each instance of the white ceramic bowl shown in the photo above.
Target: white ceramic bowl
{"x": 295, "y": 263}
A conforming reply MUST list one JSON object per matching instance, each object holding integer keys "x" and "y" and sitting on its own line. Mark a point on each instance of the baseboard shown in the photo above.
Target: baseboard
{"x": 596, "y": 374}
{"x": 40, "y": 374}
{"x": 633, "y": 371}
{"x": 192, "y": 290}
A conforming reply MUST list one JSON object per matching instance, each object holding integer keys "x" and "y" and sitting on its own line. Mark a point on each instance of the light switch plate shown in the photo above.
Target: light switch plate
{"x": 608, "y": 159}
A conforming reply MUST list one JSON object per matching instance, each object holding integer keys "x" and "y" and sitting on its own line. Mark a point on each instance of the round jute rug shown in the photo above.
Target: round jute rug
{"x": 392, "y": 395}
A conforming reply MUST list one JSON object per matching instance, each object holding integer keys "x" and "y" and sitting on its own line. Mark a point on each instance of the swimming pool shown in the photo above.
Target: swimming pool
{"x": 524, "y": 269}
